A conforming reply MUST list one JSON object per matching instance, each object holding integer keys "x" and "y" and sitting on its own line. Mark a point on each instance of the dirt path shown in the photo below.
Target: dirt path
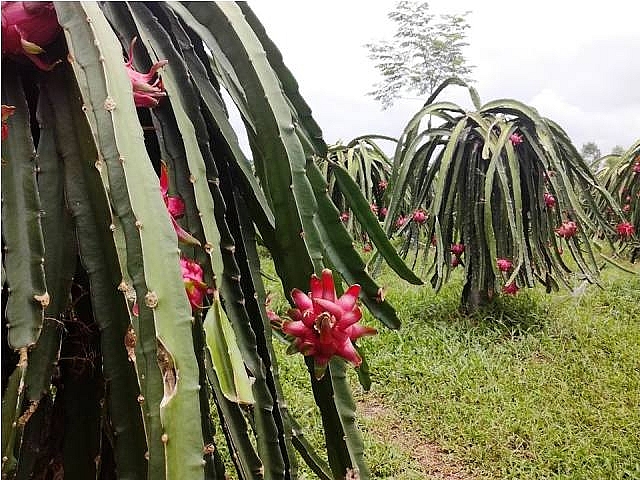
{"x": 434, "y": 462}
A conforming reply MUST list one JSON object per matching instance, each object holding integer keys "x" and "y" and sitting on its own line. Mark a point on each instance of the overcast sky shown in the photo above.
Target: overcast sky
{"x": 578, "y": 63}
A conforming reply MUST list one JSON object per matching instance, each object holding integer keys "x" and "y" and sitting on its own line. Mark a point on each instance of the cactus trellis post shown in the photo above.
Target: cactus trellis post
{"x": 137, "y": 302}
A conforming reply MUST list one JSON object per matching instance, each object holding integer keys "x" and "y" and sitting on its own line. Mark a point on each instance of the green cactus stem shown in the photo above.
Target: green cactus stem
{"x": 134, "y": 185}
{"x": 21, "y": 221}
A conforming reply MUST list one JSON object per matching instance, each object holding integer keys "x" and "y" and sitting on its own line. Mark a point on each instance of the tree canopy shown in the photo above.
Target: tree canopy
{"x": 425, "y": 50}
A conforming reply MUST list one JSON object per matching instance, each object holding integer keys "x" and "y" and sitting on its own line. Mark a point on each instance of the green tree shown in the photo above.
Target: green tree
{"x": 425, "y": 50}
{"x": 590, "y": 152}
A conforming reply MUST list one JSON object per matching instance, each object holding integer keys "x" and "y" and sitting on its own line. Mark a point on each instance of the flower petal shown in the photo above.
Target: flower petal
{"x": 302, "y": 301}
{"x": 328, "y": 287}
{"x": 348, "y": 300}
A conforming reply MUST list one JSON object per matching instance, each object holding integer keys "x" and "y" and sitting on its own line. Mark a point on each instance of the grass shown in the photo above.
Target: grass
{"x": 539, "y": 386}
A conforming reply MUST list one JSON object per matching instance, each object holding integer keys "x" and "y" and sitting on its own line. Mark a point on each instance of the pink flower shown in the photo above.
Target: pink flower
{"x": 567, "y": 229}
{"x": 383, "y": 212}
{"x": 504, "y": 265}
{"x": 419, "y": 216}
{"x": 175, "y": 206}
{"x": 636, "y": 167}
{"x": 27, "y": 27}
{"x": 7, "y": 111}
{"x": 516, "y": 139}
{"x": 457, "y": 249}
{"x": 549, "y": 200}
{"x": 344, "y": 217}
{"x": 401, "y": 221}
{"x": 192, "y": 275}
{"x": 455, "y": 261}
{"x": 625, "y": 230}
{"x": 146, "y": 93}
{"x": 510, "y": 288}
{"x": 382, "y": 185}
{"x": 323, "y": 325}
{"x": 374, "y": 208}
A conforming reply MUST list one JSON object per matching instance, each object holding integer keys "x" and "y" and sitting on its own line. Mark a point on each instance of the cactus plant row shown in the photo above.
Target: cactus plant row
{"x": 132, "y": 290}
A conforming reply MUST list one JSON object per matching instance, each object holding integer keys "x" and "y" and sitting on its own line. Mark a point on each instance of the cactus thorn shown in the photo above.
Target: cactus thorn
{"x": 151, "y": 299}
{"x": 112, "y": 227}
{"x": 43, "y": 299}
{"x": 164, "y": 438}
{"x": 109, "y": 104}
{"x": 138, "y": 224}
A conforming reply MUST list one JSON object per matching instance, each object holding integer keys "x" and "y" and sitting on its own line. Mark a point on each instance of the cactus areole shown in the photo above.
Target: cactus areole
{"x": 324, "y": 325}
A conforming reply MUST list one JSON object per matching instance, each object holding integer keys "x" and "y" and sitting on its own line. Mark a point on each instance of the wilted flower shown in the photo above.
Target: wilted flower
{"x": 344, "y": 217}
{"x": 516, "y": 139}
{"x": 455, "y": 261}
{"x": 323, "y": 325}
{"x": 567, "y": 230}
{"x": 510, "y": 288}
{"x": 7, "y": 111}
{"x": 382, "y": 185}
{"x": 549, "y": 200}
{"x": 146, "y": 94}
{"x": 192, "y": 276}
{"x": 625, "y": 230}
{"x": 457, "y": 249}
{"x": 419, "y": 216}
{"x": 636, "y": 167}
{"x": 504, "y": 265}
{"x": 27, "y": 27}
{"x": 175, "y": 206}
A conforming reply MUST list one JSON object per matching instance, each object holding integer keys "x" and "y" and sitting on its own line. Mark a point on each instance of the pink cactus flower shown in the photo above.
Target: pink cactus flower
{"x": 516, "y": 139}
{"x": 367, "y": 247}
{"x": 457, "y": 249}
{"x": 175, "y": 206}
{"x": 382, "y": 185}
{"x": 401, "y": 221}
{"x": 146, "y": 93}
{"x": 7, "y": 111}
{"x": 636, "y": 167}
{"x": 625, "y": 230}
{"x": 455, "y": 261}
{"x": 27, "y": 27}
{"x": 419, "y": 216}
{"x": 344, "y": 217}
{"x": 192, "y": 276}
{"x": 567, "y": 230}
{"x": 383, "y": 212}
{"x": 510, "y": 288}
{"x": 374, "y": 208}
{"x": 324, "y": 325}
{"x": 504, "y": 265}
{"x": 549, "y": 200}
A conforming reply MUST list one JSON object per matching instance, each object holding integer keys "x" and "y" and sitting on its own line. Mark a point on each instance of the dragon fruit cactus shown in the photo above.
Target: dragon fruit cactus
{"x": 324, "y": 325}
{"x": 146, "y": 93}
{"x": 26, "y": 28}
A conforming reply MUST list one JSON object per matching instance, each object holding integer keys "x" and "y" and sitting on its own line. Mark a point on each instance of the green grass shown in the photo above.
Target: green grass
{"x": 539, "y": 386}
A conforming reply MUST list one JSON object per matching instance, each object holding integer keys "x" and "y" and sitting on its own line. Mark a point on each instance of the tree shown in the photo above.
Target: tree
{"x": 590, "y": 152}
{"x": 426, "y": 49}
{"x": 617, "y": 150}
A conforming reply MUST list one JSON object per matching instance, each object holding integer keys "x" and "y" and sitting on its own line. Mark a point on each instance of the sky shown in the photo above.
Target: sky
{"x": 577, "y": 63}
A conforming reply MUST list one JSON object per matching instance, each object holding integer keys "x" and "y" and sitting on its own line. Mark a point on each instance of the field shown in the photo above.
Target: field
{"x": 539, "y": 386}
